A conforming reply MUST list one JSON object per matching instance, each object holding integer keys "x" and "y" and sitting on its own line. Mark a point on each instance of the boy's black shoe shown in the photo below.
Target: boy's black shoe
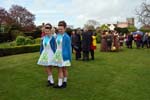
{"x": 64, "y": 84}
{"x": 58, "y": 87}
{"x": 92, "y": 59}
{"x": 49, "y": 84}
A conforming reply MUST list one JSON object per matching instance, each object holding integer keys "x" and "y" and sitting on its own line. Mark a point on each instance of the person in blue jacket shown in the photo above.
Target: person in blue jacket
{"x": 62, "y": 56}
{"x": 47, "y": 50}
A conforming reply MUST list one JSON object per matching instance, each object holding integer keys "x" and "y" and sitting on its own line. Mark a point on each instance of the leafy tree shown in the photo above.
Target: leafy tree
{"x": 145, "y": 29}
{"x": 22, "y": 17}
{"x": 132, "y": 28}
{"x": 4, "y": 16}
{"x": 104, "y": 27}
{"x": 122, "y": 30}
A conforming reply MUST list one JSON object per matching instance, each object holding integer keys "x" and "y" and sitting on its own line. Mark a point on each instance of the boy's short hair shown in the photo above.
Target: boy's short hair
{"x": 62, "y": 23}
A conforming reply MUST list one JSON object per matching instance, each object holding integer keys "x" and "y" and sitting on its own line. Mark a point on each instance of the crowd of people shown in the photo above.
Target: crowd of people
{"x": 114, "y": 41}
{"x": 84, "y": 44}
{"x": 140, "y": 40}
{"x": 111, "y": 41}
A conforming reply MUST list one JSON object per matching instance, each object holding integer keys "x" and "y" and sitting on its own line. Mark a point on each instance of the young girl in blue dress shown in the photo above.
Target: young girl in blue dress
{"x": 47, "y": 51}
{"x": 62, "y": 56}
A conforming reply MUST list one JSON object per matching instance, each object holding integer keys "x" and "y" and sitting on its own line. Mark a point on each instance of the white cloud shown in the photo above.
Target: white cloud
{"x": 77, "y": 12}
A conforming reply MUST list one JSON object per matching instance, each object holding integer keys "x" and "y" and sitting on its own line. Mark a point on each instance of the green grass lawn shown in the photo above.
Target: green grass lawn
{"x": 112, "y": 76}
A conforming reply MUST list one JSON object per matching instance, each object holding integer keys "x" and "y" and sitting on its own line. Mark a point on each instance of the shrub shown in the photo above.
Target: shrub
{"x": 13, "y": 43}
{"x": 28, "y": 41}
{"x": 37, "y": 40}
{"x": 98, "y": 38}
{"x": 30, "y": 37}
{"x": 20, "y": 40}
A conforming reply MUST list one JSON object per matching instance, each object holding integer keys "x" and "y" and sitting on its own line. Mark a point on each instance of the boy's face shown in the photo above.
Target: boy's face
{"x": 61, "y": 29}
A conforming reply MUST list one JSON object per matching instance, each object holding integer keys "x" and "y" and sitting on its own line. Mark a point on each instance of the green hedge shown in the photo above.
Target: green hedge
{"x": 19, "y": 50}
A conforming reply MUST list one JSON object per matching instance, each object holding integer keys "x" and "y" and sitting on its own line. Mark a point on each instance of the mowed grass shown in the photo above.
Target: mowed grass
{"x": 122, "y": 75}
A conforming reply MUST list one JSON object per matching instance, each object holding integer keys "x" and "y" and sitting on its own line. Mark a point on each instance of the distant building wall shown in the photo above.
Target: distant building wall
{"x": 129, "y": 22}
{"x": 122, "y": 24}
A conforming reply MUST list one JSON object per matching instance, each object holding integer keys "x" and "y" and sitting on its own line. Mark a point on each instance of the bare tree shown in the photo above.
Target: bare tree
{"x": 93, "y": 22}
{"x": 143, "y": 13}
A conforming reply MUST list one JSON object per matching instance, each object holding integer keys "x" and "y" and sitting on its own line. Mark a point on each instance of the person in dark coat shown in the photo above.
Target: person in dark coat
{"x": 129, "y": 40}
{"x": 77, "y": 44}
{"x": 73, "y": 39}
{"x": 145, "y": 40}
{"x": 90, "y": 33}
{"x": 86, "y": 43}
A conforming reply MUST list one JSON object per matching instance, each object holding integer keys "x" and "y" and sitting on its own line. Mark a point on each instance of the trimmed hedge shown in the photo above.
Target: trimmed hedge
{"x": 19, "y": 50}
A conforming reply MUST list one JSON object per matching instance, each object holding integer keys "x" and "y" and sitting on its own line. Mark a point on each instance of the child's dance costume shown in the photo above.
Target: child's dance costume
{"x": 62, "y": 56}
{"x": 47, "y": 50}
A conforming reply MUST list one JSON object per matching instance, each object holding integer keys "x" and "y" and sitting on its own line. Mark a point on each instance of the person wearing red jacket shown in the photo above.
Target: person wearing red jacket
{"x": 138, "y": 40}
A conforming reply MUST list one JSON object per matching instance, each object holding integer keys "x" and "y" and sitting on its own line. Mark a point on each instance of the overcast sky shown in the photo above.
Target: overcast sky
{"x": 77, "y": 12}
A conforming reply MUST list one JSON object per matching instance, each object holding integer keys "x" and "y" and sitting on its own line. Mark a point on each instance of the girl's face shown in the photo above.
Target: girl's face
{"x": 61, "y": 29}
{"x": 47, "y": 30}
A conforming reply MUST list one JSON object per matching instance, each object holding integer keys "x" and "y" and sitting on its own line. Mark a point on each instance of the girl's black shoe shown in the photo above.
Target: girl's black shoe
{"x": 64, "y": 84}
{"x": 49, "y": 84}
{"x": 58, "y": 87}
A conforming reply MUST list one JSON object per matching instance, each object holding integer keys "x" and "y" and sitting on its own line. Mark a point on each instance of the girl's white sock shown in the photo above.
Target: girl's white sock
{"x": 60, "y": 81}
{"x": 65, "y": 79}
{"x": 50, "y": 78}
